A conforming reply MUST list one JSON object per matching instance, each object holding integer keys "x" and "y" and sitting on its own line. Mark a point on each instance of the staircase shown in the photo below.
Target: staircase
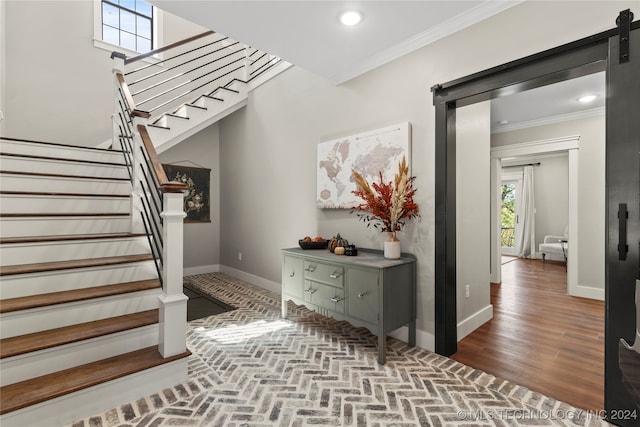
{"x": 92, "y": 313}
{"x": 182, "y": 88}
{"x": 79, "y": 292}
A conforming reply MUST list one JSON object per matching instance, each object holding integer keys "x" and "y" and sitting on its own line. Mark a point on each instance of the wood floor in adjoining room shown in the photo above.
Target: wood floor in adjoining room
{"x": 540, "y": 337}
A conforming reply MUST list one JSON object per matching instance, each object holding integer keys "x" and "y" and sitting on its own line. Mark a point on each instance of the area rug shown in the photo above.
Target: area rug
{"x": 250, "y": 367}
{"x": 201, "y": 304}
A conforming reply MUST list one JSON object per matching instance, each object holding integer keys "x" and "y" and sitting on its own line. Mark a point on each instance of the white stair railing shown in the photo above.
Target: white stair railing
{"x": 157, "y": 206}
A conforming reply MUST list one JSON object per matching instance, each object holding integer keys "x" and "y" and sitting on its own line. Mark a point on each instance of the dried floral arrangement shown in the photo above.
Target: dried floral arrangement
{"x": 387, "y": 206}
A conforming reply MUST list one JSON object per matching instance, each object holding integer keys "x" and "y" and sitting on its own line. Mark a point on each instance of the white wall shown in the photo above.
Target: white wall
{"x": 473, "y": 245}
{"x": 59, "y": 86}
{"x": 201, "y": 239}
{"x": 3, "y": 72}
{"x": 268, "y": 150}
{"x": 591, "y": 188}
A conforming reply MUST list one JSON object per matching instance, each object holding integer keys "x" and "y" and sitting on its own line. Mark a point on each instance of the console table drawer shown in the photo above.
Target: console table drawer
{"x": 324, "y": 273}
{"x": 364, "y": 297}
{"x": 325, "y": 296}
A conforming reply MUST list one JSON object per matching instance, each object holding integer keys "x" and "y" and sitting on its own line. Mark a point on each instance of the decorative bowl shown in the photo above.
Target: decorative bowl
{"x": 313, "y": 244}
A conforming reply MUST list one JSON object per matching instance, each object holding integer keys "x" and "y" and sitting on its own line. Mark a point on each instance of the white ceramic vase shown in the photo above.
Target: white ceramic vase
{"x": 392, "y": 246}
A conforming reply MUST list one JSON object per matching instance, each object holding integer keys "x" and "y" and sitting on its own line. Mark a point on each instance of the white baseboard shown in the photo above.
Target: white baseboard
{"x": 424, "y": 339}
{"x": 589, "y": 292}
{"x": 201, "y": 269}
{"x": 474, "y": 321}
{"x": 254, "y": 280}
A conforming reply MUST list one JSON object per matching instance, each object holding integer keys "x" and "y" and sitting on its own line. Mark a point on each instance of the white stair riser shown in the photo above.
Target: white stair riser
{"x": 47, "y": 150}
{"x": 31, "y": 253}
{"x": 198, "y": 120}
{"x": 20, "y": 285}
{"x": 11, "y": 182}
{"x": 10, "y": 203}
{"x": 44, "y": 226}
{"x": 26, "y": 366}
{"x": 56, "y": 316}
{"x": 94, "y": 400}
{"x": 62, "y": 168}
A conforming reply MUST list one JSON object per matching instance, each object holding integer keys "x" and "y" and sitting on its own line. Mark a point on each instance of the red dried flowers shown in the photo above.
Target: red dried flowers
{"x": 387, "y": 206}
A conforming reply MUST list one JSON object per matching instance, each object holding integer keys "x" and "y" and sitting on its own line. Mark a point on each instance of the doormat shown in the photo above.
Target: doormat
{"x": 201, "y": 305}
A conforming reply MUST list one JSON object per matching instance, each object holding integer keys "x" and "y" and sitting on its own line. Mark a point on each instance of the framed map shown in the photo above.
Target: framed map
{"x": 369, "y": 153}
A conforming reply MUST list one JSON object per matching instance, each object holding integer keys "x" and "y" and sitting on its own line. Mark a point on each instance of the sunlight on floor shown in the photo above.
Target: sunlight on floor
{"x": 236, "y": 334}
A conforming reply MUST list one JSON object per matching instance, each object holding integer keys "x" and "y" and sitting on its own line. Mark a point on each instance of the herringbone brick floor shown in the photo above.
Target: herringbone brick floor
{"x": 251, "y": 368}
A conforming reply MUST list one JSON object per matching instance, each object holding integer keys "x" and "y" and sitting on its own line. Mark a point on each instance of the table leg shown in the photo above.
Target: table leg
{"x": 382, "y": 349}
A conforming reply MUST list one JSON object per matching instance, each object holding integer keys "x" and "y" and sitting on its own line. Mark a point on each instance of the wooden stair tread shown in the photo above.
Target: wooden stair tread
{"x": 65, "y": 335}
{"x": 37, "y": 390}
{"x": 72, "y": 264}
{"x": 58, "y": 194}
{"x": 65, "y": 237}
{"x": 63, "y": 297}
{"x": 59, "y": 175}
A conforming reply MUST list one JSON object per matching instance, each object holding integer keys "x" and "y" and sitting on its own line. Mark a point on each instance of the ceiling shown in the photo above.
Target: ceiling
{"x": 308, "y": 34}
{"x": 549, "y": 104}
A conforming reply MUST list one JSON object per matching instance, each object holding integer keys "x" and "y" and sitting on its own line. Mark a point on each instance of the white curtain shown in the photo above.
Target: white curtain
{"x": 525, "y": 239}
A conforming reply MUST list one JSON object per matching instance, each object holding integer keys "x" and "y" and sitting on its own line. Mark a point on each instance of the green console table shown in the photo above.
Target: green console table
{"x": 366, "y": 290}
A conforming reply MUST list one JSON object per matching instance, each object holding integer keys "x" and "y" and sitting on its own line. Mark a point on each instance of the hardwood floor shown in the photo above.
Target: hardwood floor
{"x": 540, "y": 337}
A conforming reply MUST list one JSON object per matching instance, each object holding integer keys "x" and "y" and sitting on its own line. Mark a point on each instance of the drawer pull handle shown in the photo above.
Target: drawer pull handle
{"x": 361, "y": 294}
{"x": 310, "y": 269}
{"x": 293, "y": 273}
{"x": 335, "y": 275}
{"x": 310, "y": 291}
{"x": 336, "y": 299}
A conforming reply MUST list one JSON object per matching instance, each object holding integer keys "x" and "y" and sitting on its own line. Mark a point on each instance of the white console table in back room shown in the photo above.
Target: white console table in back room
{"x": 366, "y": 290}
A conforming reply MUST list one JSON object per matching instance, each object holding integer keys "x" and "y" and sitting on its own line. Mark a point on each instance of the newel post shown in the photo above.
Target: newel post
{"x": 118, "y": 68}
{"x": 173, "y": 303}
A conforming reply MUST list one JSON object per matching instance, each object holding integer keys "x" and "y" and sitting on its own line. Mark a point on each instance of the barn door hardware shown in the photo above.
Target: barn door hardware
{"x": 624, "y": 28}
{"x": 623, "y": 215}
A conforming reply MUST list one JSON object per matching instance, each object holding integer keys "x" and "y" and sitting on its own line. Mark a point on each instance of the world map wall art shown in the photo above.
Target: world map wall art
{"x": 368, "y": 153}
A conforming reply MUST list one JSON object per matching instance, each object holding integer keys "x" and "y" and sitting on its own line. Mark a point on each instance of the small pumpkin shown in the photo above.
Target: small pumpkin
{"x": 337, "y": 241}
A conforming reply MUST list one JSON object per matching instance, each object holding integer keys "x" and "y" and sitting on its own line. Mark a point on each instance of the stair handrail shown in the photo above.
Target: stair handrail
{"x": 167, "y": 47}
{"x": 196, "y": 67}
{"x": 157, "y": 204}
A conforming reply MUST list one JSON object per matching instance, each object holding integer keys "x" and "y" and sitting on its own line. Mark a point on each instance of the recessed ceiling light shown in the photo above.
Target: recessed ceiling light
{"x": 350, "y": 18}
{"x": 587, "y": 98}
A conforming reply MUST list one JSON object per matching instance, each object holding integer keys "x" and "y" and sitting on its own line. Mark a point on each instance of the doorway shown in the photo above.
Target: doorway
{"x": 510, "y": 188}
{"x": 617, "y": 52}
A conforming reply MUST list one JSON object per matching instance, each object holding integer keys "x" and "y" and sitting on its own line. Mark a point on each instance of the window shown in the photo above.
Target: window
{"x": 128, "y": 23}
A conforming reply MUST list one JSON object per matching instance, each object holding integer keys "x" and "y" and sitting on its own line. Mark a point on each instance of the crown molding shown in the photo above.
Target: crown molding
{"x": 472, "y": 16}
{"x": 593, "y": 112}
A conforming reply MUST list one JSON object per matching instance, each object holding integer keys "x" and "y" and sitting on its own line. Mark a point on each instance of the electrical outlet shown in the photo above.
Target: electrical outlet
{"x": 467, "y": 291}
{"x": 239, "y": 256}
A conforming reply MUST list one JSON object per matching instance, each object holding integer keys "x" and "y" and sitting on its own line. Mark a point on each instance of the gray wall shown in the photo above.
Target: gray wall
{"x": 473, "y": 248}
{"x": 268, "y": 150}
{"x": 201, "y": 239}
{"x": 58, "y": 87}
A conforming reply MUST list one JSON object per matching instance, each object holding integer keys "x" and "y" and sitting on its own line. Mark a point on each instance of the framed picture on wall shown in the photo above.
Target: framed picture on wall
{"x": 370, "y": 153}
{"x": 197, "y": 198}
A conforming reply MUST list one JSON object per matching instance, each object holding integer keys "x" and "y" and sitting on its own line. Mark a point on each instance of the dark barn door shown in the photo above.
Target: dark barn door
{"x": 622, "y": 344}
{"x": 617, "y": 52}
